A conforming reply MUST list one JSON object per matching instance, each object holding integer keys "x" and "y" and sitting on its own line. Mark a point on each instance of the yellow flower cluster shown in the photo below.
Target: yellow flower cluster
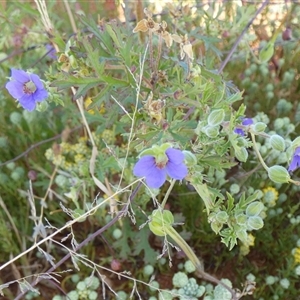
{"x": 245, "y": 247}
{"x": 88, "y": 101}
{"x": 70, "y": 157}
{"x": 270, "y": 196}
{"x": 297, "y": 255}
{"x": 74, "y": 158}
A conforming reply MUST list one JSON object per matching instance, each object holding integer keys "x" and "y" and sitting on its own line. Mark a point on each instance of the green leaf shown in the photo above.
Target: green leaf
{"x": 100, "y": 97}
{"x": 204, "y": 193}
{"x": 59, "y": 41}
{"x": 74, "y": 81}
{"x": 103, "y": 36}
{"x": 243, "y": 203}
{"x": 83, "y": 89}
{"x": 113, "y": 35}
{"x": 235, "y": 97}
{"x": 93, "y": 57}
{"x": 230, "y": 202}
{"x": 26, "y": 8}
{"x": 217, "y": 162}
{"x": 141, "y": 240}
{"x": 122, "y": 243}
{"x": 115, "y": 82}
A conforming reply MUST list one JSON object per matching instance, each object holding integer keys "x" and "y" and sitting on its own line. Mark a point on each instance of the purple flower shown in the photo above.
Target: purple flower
{"x": 156, "y": 172}
{"x": 245, "y": 122}
{"x": 26, "y": 88}
{"x": 295, "y": 163}
{"x": 51, "y": 52}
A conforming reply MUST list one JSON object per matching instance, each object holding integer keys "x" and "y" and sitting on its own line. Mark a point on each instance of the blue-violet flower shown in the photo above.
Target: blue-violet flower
{"x": 26, "y": 88}
{"x": 245, "y": 122}
{"x": 51, "y": 52}
{"x": 295, "y": 163}
{"x": 156, "y": 169}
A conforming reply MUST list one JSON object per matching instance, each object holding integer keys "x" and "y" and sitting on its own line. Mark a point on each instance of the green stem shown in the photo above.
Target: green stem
{"x": 151, "y": 52}
{"x": 258, "y": 153}
{"x": 183, "y": 245}
{"x": 168, "y": 193}
{"x": 195, "y": 260}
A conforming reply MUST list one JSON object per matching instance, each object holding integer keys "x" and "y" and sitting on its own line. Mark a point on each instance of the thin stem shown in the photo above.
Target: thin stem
{"x": 138, "y": 89}
{"x": 258, "y": 153}
{"x": 67, "y": 225}
{"x": 11, "y": 220}
{"x": 194, "y": 259}
{"x": 42, "y": 8}
{"x": 168, "y": 193}
{"x": 151, "y": 52}
{"x": 70, "y": 15}
{"x": 238, "y": 40}
{"x": 89, "y": 238}
{"x": 160, "y": 41}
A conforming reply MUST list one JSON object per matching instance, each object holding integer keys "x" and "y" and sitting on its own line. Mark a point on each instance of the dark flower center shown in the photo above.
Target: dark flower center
{"x": 160, "y": 165}
{"x": 29, "y": 88}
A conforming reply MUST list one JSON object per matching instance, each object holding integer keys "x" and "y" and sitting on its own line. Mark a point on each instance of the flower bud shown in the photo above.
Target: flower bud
{"x": 266, "y": 52}
{"x": 189, "y": 158}
{"x": 15, "y": 118}
{"x": 222, "y": 216}
{"x": 241, "y": 219}
{"x": 216, "y": 117}
{"x": 32, "y": 175}
{"x": 241, "y": 154}
{"x": 255, "y": 223}
{"x": 199, "y": 127}
{"x": 77, "y": 213}
{"x": 42, "y": 106}
{"x": 116, "y": 265}
{"x": 296, "y": 143}
{"x": 278, "y": 174}
{"x": 234, "y": 188}
{"x": 160, "y": 220}
{"x": 287, "y": 34}
{"x": 241, "y": 142}
{"x": 211, "y": 131}
{"x": 242, "y": 235}
{"x": 216, "y": 226}
{"x": 254, "y": 208}
{"x": 277, "y": 142}
{"x": 259, "y": 127}
{"x": 3, "y": 142}
{"x": 278, "y": 123}
{"x": 117, "y": 233}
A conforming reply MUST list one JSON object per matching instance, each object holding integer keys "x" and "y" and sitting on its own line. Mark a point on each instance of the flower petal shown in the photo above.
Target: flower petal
{"x": 20, "y": 76}
{"x": 156, "y": 178}
{"x": 176, "y": 171}
{"x": 15, "y": 89}
{"x": 239, "y": 131}
{"x": 27, "y": 102}
{"x": 40, "y": 95}
{"x": 141, "y": 26}
{"x": 297, "y": 151}
{"x": 37, "y": 81}
{"x": 175, "y": 156}
{"x": 295, "y": 163}
{"x": 247, "y": 121}
{"x": 144, "y": 166}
